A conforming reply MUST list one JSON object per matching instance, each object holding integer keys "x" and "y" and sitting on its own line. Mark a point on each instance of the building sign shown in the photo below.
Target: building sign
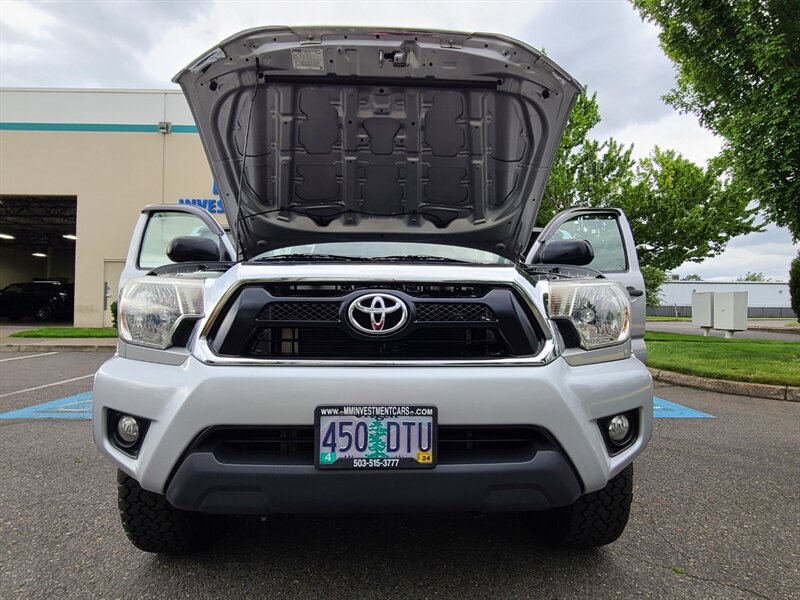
{"x": 212, "y": 205}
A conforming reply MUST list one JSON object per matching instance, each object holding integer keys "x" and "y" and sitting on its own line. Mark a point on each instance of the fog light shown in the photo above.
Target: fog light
{"x": 619, "y": 428}
{"x": 128, "y": 430}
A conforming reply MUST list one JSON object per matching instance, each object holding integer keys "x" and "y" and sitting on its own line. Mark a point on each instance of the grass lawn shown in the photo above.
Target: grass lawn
{"x": 756, "y": 361}
{"x": 67, "y": 332}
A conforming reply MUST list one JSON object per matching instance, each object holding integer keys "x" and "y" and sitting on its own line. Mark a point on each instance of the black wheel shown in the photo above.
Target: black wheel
{"x": 595, "y": 519}
{"x": 44, "y": 313}
{"x": 152, "y": 524}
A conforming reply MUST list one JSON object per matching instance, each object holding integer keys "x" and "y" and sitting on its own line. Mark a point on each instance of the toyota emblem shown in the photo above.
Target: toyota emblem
{"x": 377, "y": 314}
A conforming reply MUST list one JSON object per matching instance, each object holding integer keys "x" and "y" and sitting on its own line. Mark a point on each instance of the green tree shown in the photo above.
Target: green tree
{"x": 738, "y": 64}
{"x": 585, "y": 172}
{"x": 678, "y": 211}
{"x": 681, "y": 212}
{"x": 794, "y": 285}
{"x": 376, "y": 443}
{"x": 749, "y": 276}
{"x": 693, "y": 277}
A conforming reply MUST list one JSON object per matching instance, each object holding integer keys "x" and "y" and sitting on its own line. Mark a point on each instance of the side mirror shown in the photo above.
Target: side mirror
{"x": 192, "y": 248}
{"x": 565, "y": 252}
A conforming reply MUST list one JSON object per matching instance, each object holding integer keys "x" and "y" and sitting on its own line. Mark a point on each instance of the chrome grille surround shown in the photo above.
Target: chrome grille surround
{"x": 222, "y": 289}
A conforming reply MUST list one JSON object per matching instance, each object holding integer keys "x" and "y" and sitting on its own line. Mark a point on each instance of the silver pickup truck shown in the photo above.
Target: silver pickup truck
{"x": 380, "y": 328}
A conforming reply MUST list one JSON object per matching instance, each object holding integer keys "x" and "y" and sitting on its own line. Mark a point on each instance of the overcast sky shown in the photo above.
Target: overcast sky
{"x": 604, "y": 44}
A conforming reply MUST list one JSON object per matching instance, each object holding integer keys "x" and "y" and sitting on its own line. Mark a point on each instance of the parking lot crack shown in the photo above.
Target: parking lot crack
{"x": 693, "y": 576}
{"x": 662, "y": 535}
{"x": 730, "y": 585}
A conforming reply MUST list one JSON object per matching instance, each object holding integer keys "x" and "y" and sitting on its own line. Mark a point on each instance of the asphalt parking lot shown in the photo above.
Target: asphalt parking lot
{"x": 716, "y": 515}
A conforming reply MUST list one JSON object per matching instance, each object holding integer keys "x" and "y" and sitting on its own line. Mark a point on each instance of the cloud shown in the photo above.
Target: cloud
{"x": 769, "y": 252}
{"x": 143, "y": 44}
{"x": 83, "y": 44}
{"x": 681, "y": 132}
{"x": 24, "y": 37}
{"x": 608, "y": 48}
{"x": 605, "y": 45}
{"x": 182, "y": 42}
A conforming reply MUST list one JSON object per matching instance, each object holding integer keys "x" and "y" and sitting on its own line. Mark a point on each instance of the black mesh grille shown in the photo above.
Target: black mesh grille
{"x": 294, "y": 320}
{"x": 466, "y": 445}
{"x": 456, "y": 312}
{"x": 300, "y": 311}
{"x": 295, "y": 445}
{"x": 332, "y": 343}
{"x": 259, "y": 445}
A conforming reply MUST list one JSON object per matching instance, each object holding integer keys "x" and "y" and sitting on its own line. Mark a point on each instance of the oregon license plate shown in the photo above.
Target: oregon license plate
{"x": 375, "y": 437}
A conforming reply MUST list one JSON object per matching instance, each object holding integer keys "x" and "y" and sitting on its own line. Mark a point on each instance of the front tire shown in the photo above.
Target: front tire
{"x": 152, "y": 524}
{"x": 595, "y": 519}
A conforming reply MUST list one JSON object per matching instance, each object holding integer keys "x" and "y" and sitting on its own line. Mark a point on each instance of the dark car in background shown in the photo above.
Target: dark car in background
{"x": 42, "y": 300}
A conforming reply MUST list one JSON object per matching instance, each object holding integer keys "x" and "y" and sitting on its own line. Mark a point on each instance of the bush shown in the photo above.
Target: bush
{"x": 113, "y": 309}
{"x": 794, "y": 285}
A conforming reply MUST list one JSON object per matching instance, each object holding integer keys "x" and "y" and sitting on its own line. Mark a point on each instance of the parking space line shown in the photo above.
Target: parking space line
{"x": 28, "y": 356}
{"x": 47, "y": 385}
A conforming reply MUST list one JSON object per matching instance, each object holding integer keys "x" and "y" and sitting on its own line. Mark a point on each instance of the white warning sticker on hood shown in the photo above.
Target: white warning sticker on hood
{"x": 309, "y": 59}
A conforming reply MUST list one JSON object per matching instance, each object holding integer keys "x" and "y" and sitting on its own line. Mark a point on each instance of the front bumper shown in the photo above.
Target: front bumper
{"x": 201, "y": 483}
{"x": 185, "y": 400}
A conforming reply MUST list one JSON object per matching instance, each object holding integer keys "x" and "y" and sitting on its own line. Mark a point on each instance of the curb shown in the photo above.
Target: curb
{"x": 57, "y": 348}
{"x": 794, "y": 330}
{"x": 737, "y": 388}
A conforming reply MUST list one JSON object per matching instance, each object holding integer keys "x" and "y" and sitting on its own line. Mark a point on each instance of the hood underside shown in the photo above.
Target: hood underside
{"x": 345, "y": 134}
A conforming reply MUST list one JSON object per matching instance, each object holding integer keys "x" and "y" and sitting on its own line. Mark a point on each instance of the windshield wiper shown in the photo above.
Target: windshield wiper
{"x": 422, "y": 258}
{"x": 335, "y": 257}
{"x": 311, "y": 257}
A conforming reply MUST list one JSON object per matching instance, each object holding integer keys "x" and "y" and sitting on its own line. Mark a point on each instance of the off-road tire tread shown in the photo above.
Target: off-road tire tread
{"x": 595, "y": 519}
{"x": 152, "y": 524}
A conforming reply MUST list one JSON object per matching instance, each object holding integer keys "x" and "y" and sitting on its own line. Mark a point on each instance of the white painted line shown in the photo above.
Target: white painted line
{"x": 29, "y": 356}
{"x": 47, "y": 385}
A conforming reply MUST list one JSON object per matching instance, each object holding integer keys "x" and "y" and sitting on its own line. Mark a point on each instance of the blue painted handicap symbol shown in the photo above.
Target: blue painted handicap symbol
{"x": 664, "y": 409}
{"x": 71, "y": 407}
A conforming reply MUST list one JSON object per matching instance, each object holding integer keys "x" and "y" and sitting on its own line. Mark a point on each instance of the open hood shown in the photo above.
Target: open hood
{"x": 349, "y": 134}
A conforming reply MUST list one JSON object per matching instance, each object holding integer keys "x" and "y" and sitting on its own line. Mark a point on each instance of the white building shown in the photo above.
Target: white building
{"x": 76, "y": 168}
{"x": 764, "y": 299}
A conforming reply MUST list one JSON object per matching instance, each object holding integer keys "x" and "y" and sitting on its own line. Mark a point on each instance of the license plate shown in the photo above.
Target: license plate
{"x": 375, "y": 437}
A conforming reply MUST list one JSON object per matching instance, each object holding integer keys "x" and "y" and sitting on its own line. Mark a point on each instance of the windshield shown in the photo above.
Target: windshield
{"x": 378, "y": 250}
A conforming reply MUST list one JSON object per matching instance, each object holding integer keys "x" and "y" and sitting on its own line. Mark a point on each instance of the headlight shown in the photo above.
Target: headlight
{"x": 600, "y": 310}
{"x": 151, "y": 308}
